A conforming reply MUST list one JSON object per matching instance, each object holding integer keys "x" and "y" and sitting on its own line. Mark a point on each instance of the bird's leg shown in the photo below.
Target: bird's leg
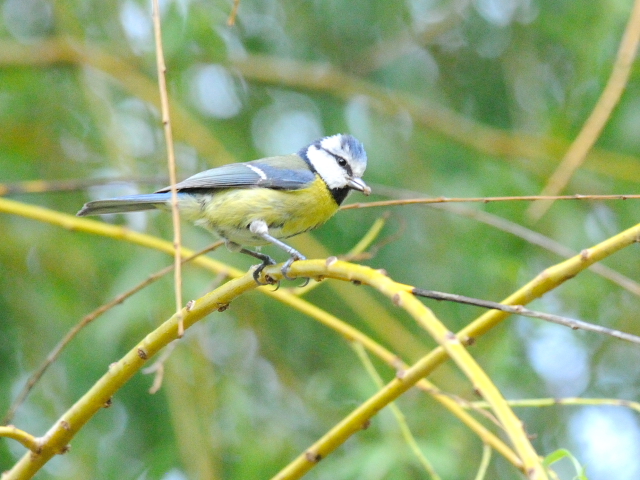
{"x": 259, "y": 227}
{"x": 266, "y": 261}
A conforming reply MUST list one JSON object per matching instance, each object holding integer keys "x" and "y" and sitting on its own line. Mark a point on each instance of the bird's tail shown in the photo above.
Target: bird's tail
{"x": 130, "y": 203}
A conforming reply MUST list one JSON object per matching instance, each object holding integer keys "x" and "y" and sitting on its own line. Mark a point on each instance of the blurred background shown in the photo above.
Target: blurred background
{"x": 451, "y": 98}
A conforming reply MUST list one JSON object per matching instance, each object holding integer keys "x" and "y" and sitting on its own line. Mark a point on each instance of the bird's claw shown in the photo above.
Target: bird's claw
{"x": 287, "y": 265}
{"x": 256, "y": 273}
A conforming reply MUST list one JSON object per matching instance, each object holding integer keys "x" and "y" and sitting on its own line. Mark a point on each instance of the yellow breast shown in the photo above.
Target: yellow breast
{"x": 229, "y": 213}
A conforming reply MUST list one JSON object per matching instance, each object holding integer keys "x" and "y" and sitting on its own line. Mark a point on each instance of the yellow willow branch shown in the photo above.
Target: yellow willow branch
{"x": 345, "y": 330}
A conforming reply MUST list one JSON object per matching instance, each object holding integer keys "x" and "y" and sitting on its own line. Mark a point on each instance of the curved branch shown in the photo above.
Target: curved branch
{"x": 26, "y": 439}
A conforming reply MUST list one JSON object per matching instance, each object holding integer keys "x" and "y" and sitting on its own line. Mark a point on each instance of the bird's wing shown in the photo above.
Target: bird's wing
{"x": 287, "y": 172}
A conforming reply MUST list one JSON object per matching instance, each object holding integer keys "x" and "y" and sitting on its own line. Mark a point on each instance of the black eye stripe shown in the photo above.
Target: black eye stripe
{"x": 343, "y": 162}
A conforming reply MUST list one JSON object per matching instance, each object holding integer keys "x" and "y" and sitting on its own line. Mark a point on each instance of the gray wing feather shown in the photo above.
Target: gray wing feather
{"x": 288, "y": 172}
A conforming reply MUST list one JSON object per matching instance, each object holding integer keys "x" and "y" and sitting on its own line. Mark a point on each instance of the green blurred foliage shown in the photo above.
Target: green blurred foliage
{"x": 247, "y": 390}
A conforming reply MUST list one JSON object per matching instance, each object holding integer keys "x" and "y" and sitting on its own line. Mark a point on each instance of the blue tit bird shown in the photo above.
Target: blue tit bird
{"x": 263, "y": 201}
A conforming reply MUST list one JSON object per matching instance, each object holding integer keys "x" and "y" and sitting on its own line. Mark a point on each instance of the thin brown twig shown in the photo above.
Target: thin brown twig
{"x": 598, "y": 118}
{"x": 166, "y": 122}
{"x": 523, "y": 198}
{"x": 86, "y": 320}
{"x": 525, "y": 312}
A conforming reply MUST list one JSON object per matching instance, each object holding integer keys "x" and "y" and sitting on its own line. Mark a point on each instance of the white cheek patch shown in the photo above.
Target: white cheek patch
{"x": 325, "y": 164}
{"x": 337, "y": 145}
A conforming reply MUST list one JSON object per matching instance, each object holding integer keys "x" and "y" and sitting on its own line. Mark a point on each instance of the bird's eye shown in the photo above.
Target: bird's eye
{"x": 342, "y": 162}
